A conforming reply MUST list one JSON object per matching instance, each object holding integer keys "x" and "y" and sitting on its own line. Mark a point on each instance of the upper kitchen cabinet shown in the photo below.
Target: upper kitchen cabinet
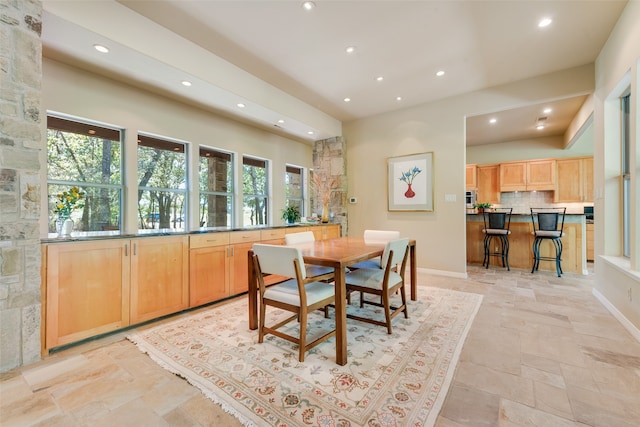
{"x": 535, "y": 175}
{"x": 489, "y": 184}
{"x": 471, "y": 177}
{"x": 575, "y": 180}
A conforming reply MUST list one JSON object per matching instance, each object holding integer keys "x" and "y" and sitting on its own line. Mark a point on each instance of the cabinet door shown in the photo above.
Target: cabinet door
{"x": 541, "y": 175}
{"x": 513, "y": 176}
{"x": 471, "y": 177}
{"x": 159, "y": 276}
{"x": 569, "y": 181}
{"x": 587, "y": 179}
{"x": 208, "y": 274}
{"x": 87, "y": 290}
{"x": 331, "y": 231}
{"x": 239, "y": 282}
{"x": 489, "y": 184}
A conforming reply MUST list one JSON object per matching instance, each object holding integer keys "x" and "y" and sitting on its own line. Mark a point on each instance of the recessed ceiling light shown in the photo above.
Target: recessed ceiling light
{"x": 100, "y": 48}
{"x": 540, "y": 127}
{"x": 310, "y": 132}
{"x": 241, "y": 105}
{"x": 493, "y": 120}
{"x": 92, "y": 132}
{"x": 398, "y": 98}
{"x": 547, "y": 110}
{"x": 280, "y": 121}
{"x": 350, "y": 49}
{"x": 440, "y": 73}
{"x": 545, "y": 22}
{"x": 308, "y": 5}
{"x": 379, "y": 78}
{"x": 347, "y": 100}
{"x": 186, "y": 83}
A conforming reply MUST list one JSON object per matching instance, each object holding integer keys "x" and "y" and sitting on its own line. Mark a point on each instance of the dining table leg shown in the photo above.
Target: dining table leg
{"x": 253, "y": 295}
{"x": 341, "y": 314}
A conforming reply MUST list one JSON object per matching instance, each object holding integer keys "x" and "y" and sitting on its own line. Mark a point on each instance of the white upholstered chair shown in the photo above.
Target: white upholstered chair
{"x": 317, "y": 272}
{"x": 382, "y": 282}
{"x": 376, "y": 236}
{"x": 297, "y": 295}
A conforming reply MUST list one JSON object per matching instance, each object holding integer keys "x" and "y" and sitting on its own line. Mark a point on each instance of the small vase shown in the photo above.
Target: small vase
{"x": 64, "y": 227}
{"x": 325, "y": 213}
{"x": 409, "y": 193}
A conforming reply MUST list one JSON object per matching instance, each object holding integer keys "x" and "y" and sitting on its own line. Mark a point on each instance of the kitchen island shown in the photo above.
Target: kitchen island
{"x": 574, "y": 252}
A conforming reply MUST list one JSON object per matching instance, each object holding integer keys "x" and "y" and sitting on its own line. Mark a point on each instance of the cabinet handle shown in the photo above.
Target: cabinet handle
{"x": 126, "y": 250}
{"x": 232, "y": 251}
{"x": 135, "y": 249}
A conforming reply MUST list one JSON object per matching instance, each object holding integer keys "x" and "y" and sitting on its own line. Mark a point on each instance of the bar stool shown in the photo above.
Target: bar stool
{"x": 496, "y": 224}
{"x": 548, "y": 224}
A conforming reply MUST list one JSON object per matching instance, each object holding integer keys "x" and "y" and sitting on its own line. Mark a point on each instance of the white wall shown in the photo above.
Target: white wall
{"x": 72, "y": 91}
{"x": 617, "y": 277}
{"x": 438, "y": 127}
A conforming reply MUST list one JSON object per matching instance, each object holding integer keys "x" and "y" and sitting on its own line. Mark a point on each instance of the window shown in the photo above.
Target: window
{"x": 89, "y": 156}
{"x": 625, "y": 103}
{"x": 294, "y": 187}
{"x": 162, "y": 184}
{"x": 254, "y": 191}
{"x": 216, "y": 188}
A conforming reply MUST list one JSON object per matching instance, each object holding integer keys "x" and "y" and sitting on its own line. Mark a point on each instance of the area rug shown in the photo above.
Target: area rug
{"x": 390, "y": 380}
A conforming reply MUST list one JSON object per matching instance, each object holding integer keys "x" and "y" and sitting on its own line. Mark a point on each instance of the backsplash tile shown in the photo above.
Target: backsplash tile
{"x": 523, "y": 201}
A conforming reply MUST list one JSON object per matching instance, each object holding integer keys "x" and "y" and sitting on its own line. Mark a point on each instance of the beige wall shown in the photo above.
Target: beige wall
{"x": 617, "y": 278}
{"x": 75, "y": 92}
{"x": 438, "y": 127}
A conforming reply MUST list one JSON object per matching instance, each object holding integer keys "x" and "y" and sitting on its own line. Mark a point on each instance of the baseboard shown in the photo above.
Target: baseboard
{"x": 443, "y": 273}
{"x": 633, "y": 330}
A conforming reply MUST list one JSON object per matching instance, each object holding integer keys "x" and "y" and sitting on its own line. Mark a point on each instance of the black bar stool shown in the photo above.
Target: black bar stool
{"x": 496, "y": 224}
{"x": 548, "y": 224}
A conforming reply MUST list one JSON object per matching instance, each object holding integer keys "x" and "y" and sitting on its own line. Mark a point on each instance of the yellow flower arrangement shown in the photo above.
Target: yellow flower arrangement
{"x": 68, "y": 201}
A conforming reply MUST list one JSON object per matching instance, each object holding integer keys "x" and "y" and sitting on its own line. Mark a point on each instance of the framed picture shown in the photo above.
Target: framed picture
{"x": 410, "y": 186}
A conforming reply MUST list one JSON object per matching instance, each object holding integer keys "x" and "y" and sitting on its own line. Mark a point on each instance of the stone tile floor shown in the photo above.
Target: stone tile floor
{"x": 542, "y": 351}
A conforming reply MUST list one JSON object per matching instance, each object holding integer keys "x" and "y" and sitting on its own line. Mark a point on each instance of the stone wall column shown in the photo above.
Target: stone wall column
{"x": 21, "y": 140}
{"x": 329, "y": 159}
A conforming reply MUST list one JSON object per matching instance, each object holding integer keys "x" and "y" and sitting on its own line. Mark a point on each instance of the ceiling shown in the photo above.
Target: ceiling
{"x": 479, "y": 44}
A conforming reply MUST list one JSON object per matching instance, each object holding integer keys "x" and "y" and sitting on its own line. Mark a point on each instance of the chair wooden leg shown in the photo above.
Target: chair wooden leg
{"x": 403, "y": 295}
{"x": 263, "y": 311}
{"x": 387, "y": 311}
{"x": 303, "y": 335}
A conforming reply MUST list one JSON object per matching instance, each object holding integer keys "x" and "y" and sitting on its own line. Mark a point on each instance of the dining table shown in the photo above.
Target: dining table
{"x": 338, "y": 253}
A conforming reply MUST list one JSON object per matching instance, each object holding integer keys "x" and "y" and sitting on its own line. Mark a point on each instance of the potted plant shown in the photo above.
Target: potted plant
{"x": 482, "y": 206}
{"x": 291, "y": 214}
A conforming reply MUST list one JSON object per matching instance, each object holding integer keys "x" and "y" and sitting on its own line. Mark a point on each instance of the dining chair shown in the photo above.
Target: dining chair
{"x": 317, "y": 272}
{"x": 376, "y": 236}
{"x": 297, "y": 295}
{"x": 383, "y": 282}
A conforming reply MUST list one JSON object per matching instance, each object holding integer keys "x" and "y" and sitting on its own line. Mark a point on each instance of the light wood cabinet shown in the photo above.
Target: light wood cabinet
{"x": 471, "y": 177}
{"x": 87, "y": 290}
{"x": 575, "y": 180}
{"x": 208, "y": 268}
{"x": 535, "y": 175}
{"x": 241, "y": 243}
{"x": 489, "y": 184}
{"x": 159, "y": 276}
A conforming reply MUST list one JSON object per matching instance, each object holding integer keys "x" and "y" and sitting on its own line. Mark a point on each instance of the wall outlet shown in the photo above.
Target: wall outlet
{"x": 353, "y": 200}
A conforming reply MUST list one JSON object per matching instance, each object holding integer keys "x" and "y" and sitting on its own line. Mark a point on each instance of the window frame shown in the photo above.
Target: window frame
{"x": 92, "y": 129}
{"x": 161, "y": 142}
{"x": 231, "y": 191}
{"x": 298, "y": 201}
{"x": 625, "y": 176}
{"x": 257, "y": 162}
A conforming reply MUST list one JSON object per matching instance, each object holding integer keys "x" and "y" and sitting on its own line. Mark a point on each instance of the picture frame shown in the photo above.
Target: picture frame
{"x": 410, "y": 182}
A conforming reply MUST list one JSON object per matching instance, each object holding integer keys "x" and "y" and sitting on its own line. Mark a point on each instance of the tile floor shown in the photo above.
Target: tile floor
{"x": 541, "y": 352}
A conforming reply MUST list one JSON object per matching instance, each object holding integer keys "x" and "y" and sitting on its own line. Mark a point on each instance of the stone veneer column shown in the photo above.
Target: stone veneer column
{"x": 329, "y": 158}
{"x": 21, "y": 140}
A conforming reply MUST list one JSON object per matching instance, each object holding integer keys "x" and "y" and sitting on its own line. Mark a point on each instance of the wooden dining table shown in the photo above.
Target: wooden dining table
{"x": 337, "y": 253}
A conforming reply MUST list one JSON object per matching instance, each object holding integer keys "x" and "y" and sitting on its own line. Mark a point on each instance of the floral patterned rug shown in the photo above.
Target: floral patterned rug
{"x": 390, "y": 380}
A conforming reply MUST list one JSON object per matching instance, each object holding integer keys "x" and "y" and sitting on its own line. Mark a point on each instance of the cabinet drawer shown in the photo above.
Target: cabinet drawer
{"x": 208, "y": 239}
{"x": 277, "y": 233}
{"x": 236, "y": 237}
